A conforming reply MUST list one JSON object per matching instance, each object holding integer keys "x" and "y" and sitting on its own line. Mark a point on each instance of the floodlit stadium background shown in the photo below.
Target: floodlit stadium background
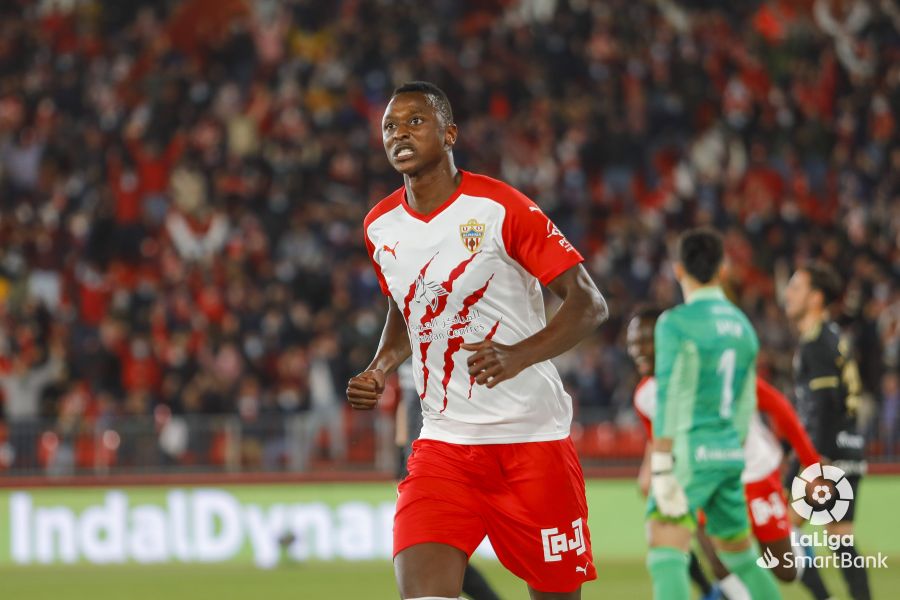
{"x": 184, "y": 290}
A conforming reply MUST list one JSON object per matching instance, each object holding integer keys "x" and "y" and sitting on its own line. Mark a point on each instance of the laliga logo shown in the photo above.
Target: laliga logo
{"x": 820, "y": 494}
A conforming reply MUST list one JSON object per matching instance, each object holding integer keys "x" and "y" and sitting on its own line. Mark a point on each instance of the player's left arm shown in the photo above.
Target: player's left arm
{"x": 582, "y": 310}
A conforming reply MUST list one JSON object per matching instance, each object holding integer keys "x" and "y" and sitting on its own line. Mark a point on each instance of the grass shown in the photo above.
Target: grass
{"x": 319, "y": 581}
{"x": 617, "y": 532}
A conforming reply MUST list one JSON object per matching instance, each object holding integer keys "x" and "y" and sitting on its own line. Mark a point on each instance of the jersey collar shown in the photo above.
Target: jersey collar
{"x": 813, "y": 332}
{"x": 427, "y": 218}
{"x": 712, "y": 292}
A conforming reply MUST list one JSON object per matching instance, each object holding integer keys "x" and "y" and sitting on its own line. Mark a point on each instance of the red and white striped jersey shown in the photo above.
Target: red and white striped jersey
{"x": 471, "y": 270}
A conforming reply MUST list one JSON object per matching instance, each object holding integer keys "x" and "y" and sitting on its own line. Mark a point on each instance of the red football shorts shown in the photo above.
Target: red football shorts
{"x": 768, "y": 509}
{"x": 528, "y": 498}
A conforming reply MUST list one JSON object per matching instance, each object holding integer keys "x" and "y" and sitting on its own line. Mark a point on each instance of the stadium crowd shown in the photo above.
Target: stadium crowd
{"x": 183, "y": 184}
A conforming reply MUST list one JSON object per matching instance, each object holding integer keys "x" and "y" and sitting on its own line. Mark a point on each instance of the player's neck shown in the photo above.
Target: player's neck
{"x": 428, "y": 190}
{"x": 689, "y": 286}
{"x": 809, "y": 322}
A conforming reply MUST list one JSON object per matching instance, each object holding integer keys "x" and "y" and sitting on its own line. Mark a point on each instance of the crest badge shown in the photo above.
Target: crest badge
{"x": 472, "y": 233}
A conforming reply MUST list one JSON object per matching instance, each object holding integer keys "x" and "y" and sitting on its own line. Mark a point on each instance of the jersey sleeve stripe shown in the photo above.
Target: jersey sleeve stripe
{"x": 380, "y": 209}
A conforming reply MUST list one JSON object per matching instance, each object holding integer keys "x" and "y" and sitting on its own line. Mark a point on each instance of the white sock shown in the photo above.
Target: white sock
{"x": 734, "y": 588}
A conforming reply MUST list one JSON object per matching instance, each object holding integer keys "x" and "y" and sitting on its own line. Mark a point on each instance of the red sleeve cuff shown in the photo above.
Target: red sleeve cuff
{"x": 559, "y": 268}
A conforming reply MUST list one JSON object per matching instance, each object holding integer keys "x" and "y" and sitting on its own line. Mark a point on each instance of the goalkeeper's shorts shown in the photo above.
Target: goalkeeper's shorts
{"x": 720, "y": 495}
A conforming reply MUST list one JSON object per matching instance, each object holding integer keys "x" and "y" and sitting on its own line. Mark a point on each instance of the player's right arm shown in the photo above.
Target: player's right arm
{"x": 667, "y": 491}
{"x": 667, "y": 360}
{"x": 364, "y": 390}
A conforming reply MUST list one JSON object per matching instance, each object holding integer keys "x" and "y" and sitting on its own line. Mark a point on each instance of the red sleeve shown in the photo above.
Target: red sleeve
{"x": 381, "y": 208}
{"x": 532, "y": 240}
{"x": 640, "y": 410}
{"x": 772, "y": 403}
{"x": 648, "y": 426}
{"x": 371, "y": 250}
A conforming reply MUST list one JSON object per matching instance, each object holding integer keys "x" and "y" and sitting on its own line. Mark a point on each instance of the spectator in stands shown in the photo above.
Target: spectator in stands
{"x": 200, "y": 188}
{"x": 325, "y": 405}
{"x": 23, "y": 387}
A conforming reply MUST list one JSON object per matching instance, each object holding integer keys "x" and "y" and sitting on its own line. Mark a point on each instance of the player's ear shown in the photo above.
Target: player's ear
{"x": 450, "y": 134}
{"x": 678, "y": 269}
{"x": 722, "y": 273}
{"x": 817, "y": 297}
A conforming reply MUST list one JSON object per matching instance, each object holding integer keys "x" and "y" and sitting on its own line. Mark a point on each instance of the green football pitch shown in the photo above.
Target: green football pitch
{"x": 617, "y": 531}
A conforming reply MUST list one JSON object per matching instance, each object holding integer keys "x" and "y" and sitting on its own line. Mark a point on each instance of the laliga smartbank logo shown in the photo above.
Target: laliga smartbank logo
{"x": 821, "y": 495}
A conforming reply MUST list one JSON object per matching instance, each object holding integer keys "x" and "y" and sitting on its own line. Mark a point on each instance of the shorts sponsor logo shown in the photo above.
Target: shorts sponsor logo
{"x": 821, "y": 494}
{"x": 556, "y": 544}
{"x": 706, "y": 454}
{"x": 763, "y": 510}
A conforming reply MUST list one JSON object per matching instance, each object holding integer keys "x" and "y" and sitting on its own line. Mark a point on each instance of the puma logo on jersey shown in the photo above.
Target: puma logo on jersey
{"x": 391, "y": 251}
{"x": 581, "y": 569}
{"x": 429, "y": 291}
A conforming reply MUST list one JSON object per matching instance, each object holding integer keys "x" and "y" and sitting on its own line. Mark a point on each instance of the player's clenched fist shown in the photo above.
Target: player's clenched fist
{"x": 490, "y": 362}
{"x": 364, "y": 391}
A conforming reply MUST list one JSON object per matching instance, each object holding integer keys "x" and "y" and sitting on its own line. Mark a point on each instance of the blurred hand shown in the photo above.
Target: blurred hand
{"x": 670, "y": 498}
{"x": 490, "y": 362}
{"x": 669, "y": 495}
{"x": 364, "y": 390}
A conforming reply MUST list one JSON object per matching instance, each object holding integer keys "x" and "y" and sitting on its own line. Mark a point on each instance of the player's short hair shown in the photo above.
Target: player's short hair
{"x": 701, "y": 252}
{"x": 436, "y": 97}
{"x": 650, "y": 312}
{"x": 823, "y": 278}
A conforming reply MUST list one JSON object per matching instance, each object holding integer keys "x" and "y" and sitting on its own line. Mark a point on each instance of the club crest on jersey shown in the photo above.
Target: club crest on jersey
{"x": 472, "y": 233}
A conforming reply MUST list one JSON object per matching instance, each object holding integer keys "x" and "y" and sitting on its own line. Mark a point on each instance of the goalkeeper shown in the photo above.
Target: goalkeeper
{"x": 706, "y": 380}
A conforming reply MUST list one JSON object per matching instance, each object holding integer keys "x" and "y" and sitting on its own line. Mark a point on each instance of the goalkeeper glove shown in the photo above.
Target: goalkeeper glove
{"x": 668, "y": 493}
